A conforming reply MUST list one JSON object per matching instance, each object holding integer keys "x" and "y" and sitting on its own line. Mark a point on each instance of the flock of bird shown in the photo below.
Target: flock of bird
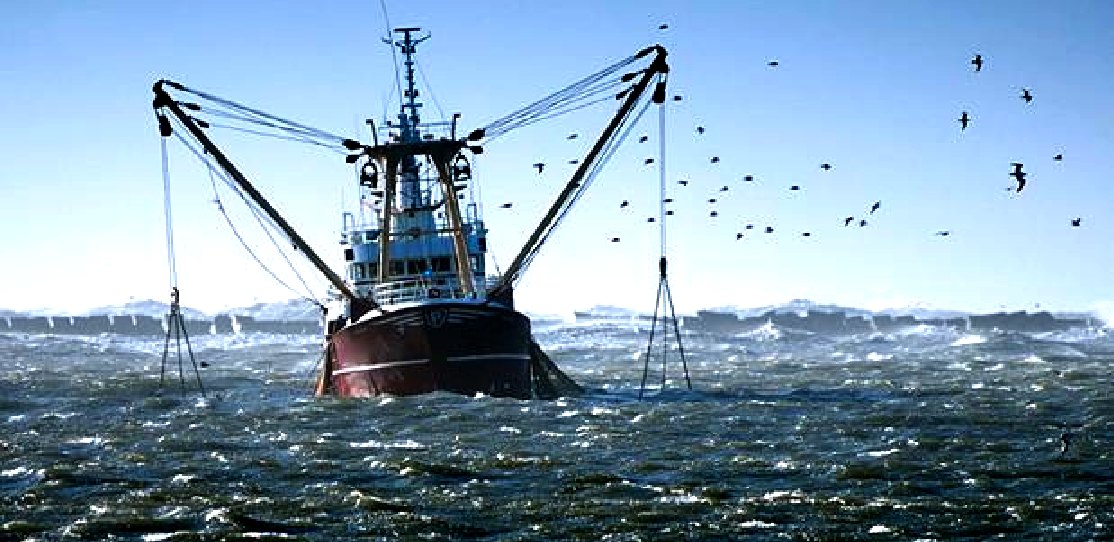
{"x": 965, "y": 119}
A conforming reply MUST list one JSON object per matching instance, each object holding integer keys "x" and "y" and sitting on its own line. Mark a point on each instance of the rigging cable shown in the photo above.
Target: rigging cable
{"x": 170, "y": 258}
{"x": 429, "y": 88}
{"x": 394, "y": 54}
{"x": 259, "y": 218}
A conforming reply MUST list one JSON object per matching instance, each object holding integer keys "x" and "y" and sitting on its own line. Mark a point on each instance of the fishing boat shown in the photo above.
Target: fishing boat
{"x": 418, "y": 310}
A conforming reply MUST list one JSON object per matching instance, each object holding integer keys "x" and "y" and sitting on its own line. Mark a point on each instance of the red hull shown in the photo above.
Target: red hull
{"x": 459, "y": 347}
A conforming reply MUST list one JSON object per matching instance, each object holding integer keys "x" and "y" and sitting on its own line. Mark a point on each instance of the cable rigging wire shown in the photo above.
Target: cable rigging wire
{"x": 170, "y": 258}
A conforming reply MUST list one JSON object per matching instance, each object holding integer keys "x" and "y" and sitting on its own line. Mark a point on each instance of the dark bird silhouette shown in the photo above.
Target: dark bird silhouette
{"x": 711, "y": 200}
{"x": 571, "y": 136}
{"x": 943, "y": 233}
{"x": 614, "y": 239}
{"x": 505, "y": 206}
{"x": 805, "y": 234}
{"x": 540, "y": 166}
{"x": 700, "y": 129}
{"x": 574, "y": 161}
{"x": 624, "y": 204}
{"x": 713, "y": 214}
{"x": 1058, "y": 157}
{"x": 769, "y": 229}
{"x": 794, "y": 187}
{"x": 1026, "y": 95}
{"x": 738, "y": 236}
{"x": 1075, "y": 222}
{"x": 669, "y": 213}
{"x": 724, "y": 189}
{"x": 977, "y": 63}
{"x": 667, "y": 200}
{"x": 847, "y": 221}
{"x": 663, "y": 26}
{"x": 748, "y": 178}
{"x": 715, "y": 159}
{"x": 772, "y": 63}
{"x": 648, "y": 161}
{"x": 683, "y": 183}
{"x": 963, "y": 120}
{"x": 1019, "y": 175}
{"x": 677, "y": 97}
{"x": 875, "y": 207}
{"x": 651, "y": 219}
{"x": 750, "y": 226}
{"x": 825, "y": 166}
{"x": 643, "y": 139}
{"x": 862, "y": 223}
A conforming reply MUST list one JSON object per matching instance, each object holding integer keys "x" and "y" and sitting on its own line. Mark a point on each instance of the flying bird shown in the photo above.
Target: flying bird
{"x": 669, "y": 212}
{"x": 772, "y": 63}
{"x": 663, "y": 26}
{"x": 748, "y": 178}
{"x": 769, "y": 229}
{"x": 505, "y": 206}
{"x": 750, "y": 226}
{"x": 963, "y": 120}
{"x": 614, "y": 239}
{"x": 683, "y": 183}
{"x": 943, "y": 233}
{"x": 1019, "y": 175}
{"x": 875, "y": 207}
{"x": 1026, "y": 95}
{"x": 677, "y": 97}
{"x": 862, "y": 223}
{"x": 713, "y": 214}
{"x": 571, "y": 136}
{"x": 648, "y": 161}
{"x": 651, "y": 219}
{"x": 574, "y": 161}
{"x": 847, "y": 221}
{"x": 805, "y": 234}
{"x": 1075, "y": 222}
{"x": 624, "y": 204}
{"x": 1058, "y": 157}
{"x": 643, "y": 139}
{"x": 700, "y": 129}
{"x": 540, "y": 166}
{"x": 738, "y": 236}
{"x": 977, "y": 62}
{"x": 667, "y": 200}
{"x": 724, "y": 189}
{"x": 794, "y": 187}
{"x": 715, "y": 159}
{"x": 825, "y": 166}
{"x": 711, "y": 200}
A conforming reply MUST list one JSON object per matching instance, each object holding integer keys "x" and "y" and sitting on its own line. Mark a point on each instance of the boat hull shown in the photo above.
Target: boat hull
{"x": 466, "y": 348}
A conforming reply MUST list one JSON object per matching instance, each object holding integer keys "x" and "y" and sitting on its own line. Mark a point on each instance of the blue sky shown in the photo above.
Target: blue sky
{"x": 874, "y": 88}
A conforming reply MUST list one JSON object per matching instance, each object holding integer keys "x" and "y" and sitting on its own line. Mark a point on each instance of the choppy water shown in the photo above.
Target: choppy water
{"x": 930, "y": 434}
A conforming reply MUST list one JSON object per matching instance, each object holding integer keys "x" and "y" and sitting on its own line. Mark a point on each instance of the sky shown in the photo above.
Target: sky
{"x": 873, "y": 88}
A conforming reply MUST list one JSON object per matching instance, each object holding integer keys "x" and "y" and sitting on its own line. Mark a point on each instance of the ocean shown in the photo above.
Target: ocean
{"x": 925, "y": 433}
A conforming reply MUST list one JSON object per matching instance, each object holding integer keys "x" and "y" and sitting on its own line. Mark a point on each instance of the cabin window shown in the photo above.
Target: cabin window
{"x": 416, "y": 267}
{"x": 398, "y": 267}
{"x": 475, "y": 262}
{"x": 358, "y": 271}
{"x": 349, "y": 255}
{"x": 481, "y": 243}
{"x": 373, "y": 270}
{"x": 441, "y": 264}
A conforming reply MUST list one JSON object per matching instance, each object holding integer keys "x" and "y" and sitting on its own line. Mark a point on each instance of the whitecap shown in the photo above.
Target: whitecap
{"x": 879, "y": 529}
{"x": 968, "y": 340}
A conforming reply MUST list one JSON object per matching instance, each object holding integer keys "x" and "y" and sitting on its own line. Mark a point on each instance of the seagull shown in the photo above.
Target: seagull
{"x": 825, "y": 166}
{"x": 713, "y": 214}
{"x": 677, "y": 97}
{"x": 1019, "y": 175}
{"x": 571, "y": 136}
{"x": 614, "y": 239}
{"x": 505, "y": 206}
{"x": 667, "y": 200}
{"x": 540, "y": 166}
{"x": 750, "y": 226}
{"x": 715, "y": 159}
{"x": 772, "y": 63}
{"x": 648, "y": 161}
{"x": 700, "y": 129}
{"x": 847, "y": 221}
{"x": 805, "y": 234}
{"x": 1058, "y": 157}
{"x": 875, "y": 207}
{"x": 651, "y": 219}
{"x": 862, "y": 223}
{"x": 738, "y": 236}
{"x": 963, "y": 120}
{"x": 624, "y": 204}
{"x": 794, "y": 187}
{"x": 683, "y": 183}
{"x": 748, "y": 178}
{"x": 1075, "y": 222}
{"x": 769, "y": 229}
{"x": 1026, "y": 95}
{"x": 574, "y": 161}
{"x": 711, "y": 200}
{"x": 724, "y": 189}
{"x": 977, "y": 62}
{"x": 663, "y": 26}
{"x": 943, "y": 233}
{"x": 643, "y": 139}
{"x": 669, "y": 212}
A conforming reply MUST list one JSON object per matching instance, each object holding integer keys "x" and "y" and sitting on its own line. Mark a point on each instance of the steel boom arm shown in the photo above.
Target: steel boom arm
{"x": 164, "y": 101}
{"x": 657, "y": 66}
